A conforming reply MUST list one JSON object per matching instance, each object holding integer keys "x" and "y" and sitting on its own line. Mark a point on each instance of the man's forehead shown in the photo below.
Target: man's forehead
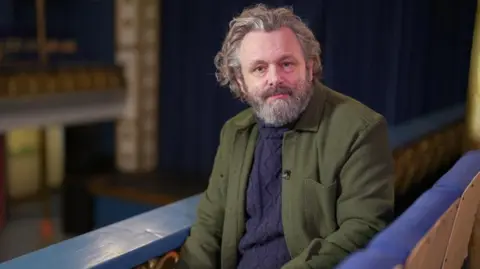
{"x": 270, "y": 46}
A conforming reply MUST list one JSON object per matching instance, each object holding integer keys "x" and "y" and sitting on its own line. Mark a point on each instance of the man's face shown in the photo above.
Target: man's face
{"x": 276, "y": 79}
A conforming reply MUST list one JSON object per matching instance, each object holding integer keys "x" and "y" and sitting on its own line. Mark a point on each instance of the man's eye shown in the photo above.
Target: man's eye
{"x": 287, "y": 64}
{"x": 259, "y": 69}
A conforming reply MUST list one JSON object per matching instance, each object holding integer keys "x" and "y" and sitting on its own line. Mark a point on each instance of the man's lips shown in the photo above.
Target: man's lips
{"x": 279, "y": 96}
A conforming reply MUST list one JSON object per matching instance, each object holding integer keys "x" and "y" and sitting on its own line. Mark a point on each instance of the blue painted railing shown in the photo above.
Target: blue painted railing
{"x": 133, "y": 241}
{"x": 124, "y": 244}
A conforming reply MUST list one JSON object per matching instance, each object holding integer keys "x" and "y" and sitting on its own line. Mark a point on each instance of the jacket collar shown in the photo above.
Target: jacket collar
{"x": 309, "y": 120}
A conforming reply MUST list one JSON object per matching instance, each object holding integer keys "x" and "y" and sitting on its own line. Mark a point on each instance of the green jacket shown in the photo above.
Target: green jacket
{"x": 337, "y": 186}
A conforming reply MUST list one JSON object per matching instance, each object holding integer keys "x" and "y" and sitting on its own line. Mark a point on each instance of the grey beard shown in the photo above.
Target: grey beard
{"x": 282, "y": 111}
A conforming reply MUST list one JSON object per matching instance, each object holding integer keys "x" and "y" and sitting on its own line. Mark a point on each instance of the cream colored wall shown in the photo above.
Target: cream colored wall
{"x": 23, "y": 160}
{"x": 55, "y": 156}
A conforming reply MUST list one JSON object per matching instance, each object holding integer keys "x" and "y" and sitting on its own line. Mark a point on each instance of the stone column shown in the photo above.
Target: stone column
{"x": 137, "y": 50}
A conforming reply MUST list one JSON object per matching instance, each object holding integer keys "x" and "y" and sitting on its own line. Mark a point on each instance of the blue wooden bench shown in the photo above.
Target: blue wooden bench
{"x": 394, "y": 245}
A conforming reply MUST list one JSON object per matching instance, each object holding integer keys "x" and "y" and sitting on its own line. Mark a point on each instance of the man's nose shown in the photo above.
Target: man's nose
{"x": 274, "y": 77}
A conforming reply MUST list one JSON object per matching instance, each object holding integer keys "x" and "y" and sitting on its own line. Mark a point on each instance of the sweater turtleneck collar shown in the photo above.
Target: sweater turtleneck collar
{"x": 270, "y": 131}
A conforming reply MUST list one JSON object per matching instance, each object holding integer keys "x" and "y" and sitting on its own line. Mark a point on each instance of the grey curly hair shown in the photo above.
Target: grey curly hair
{"x": 267, "y": 19}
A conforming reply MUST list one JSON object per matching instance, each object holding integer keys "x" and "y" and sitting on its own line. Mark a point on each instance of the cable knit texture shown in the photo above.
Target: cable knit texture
{"x": 263, "y": 245}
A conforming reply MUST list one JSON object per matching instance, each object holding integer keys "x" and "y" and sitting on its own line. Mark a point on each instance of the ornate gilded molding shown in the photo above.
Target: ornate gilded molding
{"x": 23, "y": 82}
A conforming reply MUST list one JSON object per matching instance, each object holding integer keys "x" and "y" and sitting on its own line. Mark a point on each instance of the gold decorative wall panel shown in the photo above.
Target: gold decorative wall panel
{"x": 473, "y": 98}
{"x": 427, "y": 154}
{"x": 137, "y": 46}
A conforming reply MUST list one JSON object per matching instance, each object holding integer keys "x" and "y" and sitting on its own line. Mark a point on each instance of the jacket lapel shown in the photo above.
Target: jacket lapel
{"x": 244, "y": 148}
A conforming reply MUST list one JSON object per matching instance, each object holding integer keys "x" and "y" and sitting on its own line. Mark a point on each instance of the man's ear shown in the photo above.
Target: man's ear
{"x": 241, "y": 85}
{"x": 310, "y": 70}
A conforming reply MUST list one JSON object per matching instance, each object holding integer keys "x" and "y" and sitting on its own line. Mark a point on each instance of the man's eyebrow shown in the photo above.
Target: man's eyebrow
{"x": 256, "y": 62}
{"x": 287, "y": 57}
{"x": 282, "y": 58}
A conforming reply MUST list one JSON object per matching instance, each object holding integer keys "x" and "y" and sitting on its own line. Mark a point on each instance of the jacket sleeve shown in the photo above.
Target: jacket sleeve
{"x": 202, "y": 247}
{"x": 365, "y": 204}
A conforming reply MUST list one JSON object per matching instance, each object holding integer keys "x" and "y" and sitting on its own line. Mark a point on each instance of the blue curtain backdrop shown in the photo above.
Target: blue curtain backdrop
{"x": 403, "y": 58}
{"x": 6, "y": 14}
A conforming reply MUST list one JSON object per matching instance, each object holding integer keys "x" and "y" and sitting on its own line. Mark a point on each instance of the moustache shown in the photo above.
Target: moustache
{"x": 276, "y": 91}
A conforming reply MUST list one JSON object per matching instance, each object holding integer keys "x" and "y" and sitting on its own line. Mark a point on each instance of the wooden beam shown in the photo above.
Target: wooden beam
{"x": 41, "y": 31}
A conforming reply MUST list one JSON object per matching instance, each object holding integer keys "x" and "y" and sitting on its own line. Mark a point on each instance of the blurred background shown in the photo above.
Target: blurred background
{"x": 110, "y": 108}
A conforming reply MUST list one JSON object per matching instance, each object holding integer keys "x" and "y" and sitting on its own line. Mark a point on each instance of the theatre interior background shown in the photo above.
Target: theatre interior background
{"x": 110, "y": 108}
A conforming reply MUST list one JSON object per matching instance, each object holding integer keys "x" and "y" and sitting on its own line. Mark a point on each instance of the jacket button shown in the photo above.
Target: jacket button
{"x": 286, "y": 175}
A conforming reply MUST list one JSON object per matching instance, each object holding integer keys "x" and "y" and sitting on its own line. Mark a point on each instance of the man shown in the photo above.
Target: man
{"x": 305, "y": 176}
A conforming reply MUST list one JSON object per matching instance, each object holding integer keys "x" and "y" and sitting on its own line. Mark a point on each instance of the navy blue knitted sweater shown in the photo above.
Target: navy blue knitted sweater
{"x": 263, "y": 245}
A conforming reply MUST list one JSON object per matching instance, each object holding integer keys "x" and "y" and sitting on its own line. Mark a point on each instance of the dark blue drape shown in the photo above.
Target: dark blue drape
{"x": 403, "y": 58}
{"x": 6, "y": 17}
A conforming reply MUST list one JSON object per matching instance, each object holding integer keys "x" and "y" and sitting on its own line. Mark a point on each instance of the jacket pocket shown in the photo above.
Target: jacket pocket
{"x": 320, "y": 207}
